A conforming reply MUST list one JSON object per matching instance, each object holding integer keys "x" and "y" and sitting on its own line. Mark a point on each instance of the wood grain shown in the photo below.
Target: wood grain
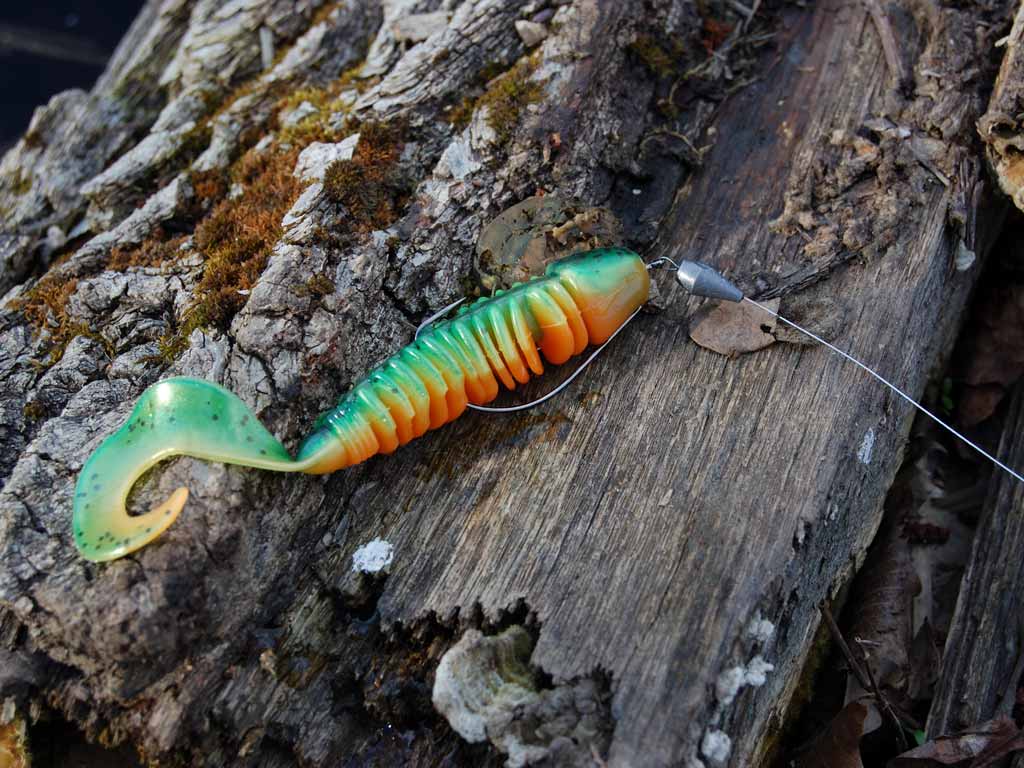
{"x": 984, "y": 653}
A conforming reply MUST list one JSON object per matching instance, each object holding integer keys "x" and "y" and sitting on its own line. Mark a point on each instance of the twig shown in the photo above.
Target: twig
{"x": 892, "y": 55}
{"x": 841, "y": 641}
{"x": 753, "y": 12}
{"x": 864, "y": 675}
{"x": 882, "y": 700}
{"x": 741, "y": 9}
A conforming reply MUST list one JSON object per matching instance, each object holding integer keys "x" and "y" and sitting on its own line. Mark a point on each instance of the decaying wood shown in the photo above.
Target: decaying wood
{"x": 983, "y": 661}
{"x": 664, "y": 532}
{"x": 1000, "y": 126}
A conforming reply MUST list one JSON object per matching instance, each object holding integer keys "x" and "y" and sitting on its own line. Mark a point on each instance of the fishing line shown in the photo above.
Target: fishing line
{"x": 891, "y": 386}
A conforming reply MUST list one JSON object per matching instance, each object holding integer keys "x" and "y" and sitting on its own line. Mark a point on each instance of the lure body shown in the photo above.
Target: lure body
{"x": 581, "y": 300}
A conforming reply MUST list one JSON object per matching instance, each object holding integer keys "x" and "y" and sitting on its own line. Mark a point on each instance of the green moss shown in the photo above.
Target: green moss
{"x": 508, "y": 96}
{"x": 318, "y": 286}
{"x": 192, "y": 144}
{"x": 45, "y": 307}
{"x": 236, "y": 238}
{"x": 313, "y": 127}
{"x": 155, "y": 251}
{"x": 316, "y": 127}
{"x": 370, "y": 185}
{"x": 33, "y": 411}
{"x": 459, "y": 115}
{"x": 490, "y": 71}
{"x": 172, "y": 344}
{"x": 318, "y": 97}
{"x": 21, "y": 183}
{"x": 660, "y": 60}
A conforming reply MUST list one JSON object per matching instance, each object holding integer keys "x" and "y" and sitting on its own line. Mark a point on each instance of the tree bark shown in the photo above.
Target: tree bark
{"x": 644, "y": 555}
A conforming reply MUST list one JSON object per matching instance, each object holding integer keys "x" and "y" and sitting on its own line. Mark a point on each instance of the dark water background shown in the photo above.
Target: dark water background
{"x": 28, "y": 80}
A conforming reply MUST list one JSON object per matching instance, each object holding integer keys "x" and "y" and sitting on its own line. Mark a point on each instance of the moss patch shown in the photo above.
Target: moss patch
{"x": 155, "y": 251}
{"x": 236, "y": 235}
{"x": 508, "y": 96}
{"x": 18, "y": 183}
{"x": 460, "y": 114}
{"x": 45, "y": 307}
{"x": 32, "y": 412}
{"x": 370, "y": 185}
{"x": 209, "y": 186}
{"x": 318, "y": 286}
{"x": 237, "y": 238}
{"x": 327, "y": 100}
{"x": 663, "y": 61}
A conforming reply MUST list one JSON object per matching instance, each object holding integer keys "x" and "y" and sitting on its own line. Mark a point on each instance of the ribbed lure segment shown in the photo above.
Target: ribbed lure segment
{"x": 442, "y": 342}
{"x": 480, "y": 325}
{"x": 556, "y": 337}
{"x": 451, "y": 372}
{"x": 524, "y": 336}
{"x": 437, "y": 389}
{"x": 381, "y": 421}
{"x": 499, "y": 320}
{"x": 565, "y": 302}
{"x": 414, "y": 389}
{"x": 465, "y": 339}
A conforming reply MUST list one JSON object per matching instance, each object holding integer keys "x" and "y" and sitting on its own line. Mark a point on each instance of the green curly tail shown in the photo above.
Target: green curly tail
{"x": 179, "y": 416}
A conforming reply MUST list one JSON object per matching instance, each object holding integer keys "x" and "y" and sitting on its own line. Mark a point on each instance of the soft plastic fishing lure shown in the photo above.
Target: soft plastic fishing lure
{"x": 583, "y": 299}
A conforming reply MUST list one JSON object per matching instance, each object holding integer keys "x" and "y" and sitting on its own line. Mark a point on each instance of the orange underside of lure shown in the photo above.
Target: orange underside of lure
{"x": 498, "y": 341}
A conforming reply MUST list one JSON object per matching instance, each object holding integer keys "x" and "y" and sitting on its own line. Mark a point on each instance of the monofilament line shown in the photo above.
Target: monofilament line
{"x": 891, "y": 386}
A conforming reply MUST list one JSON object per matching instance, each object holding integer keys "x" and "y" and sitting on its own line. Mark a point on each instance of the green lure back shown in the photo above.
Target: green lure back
{"x": 581, "y": 300}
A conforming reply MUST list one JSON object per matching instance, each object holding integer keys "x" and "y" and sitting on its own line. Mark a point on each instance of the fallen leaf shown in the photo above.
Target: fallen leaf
{"x": 925, "y": 664}
{"x": 838, "y": 746}
{"x": 734, "y": 329}
{"x": 880, "y": 624}
{"x": 979, "y": 747}
{"x": 997, "y": 351}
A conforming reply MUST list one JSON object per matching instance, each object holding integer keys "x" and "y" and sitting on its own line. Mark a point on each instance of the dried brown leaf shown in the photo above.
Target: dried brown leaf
{"x": 838, "y": 746}
{"x": 925, "y": 664}
{"x": 734, "y": 329}
{"x": 979, "y": 747}
{"x": 881, "y": 623}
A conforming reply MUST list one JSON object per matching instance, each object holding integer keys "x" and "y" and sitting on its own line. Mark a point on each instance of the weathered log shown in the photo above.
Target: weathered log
{"x": 664, "y": 533}
{"x": 983, "y": 660}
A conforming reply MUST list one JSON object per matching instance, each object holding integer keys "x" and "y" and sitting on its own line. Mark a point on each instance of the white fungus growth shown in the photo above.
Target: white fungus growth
{"x": 732, "y": 681}
{"x": 761, "y": 630}
{"x": 373, "y": 557}
{"x": 728, "y": 685}
{"x": 867, "y": 447}
{"x": 716, "y": 746}
{"x": 757, "y": 671}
